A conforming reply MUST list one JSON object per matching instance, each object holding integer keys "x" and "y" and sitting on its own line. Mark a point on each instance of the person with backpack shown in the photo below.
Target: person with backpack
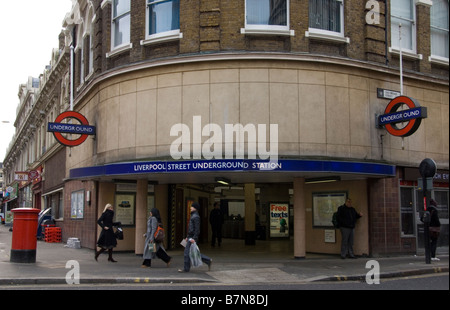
{"x": 154, "y": 248}
{"x": 346, "y": 218}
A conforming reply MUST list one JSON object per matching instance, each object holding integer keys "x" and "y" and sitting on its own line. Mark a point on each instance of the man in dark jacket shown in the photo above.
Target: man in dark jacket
{"x": 216, "y": 221}
{"x": 434, "y": 228}
{"x": 192, "y": 237}
{"x": 347, "y": 216}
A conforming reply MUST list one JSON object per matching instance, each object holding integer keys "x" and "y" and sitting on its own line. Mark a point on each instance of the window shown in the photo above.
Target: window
{"x": 120, "y": 23}
{"x": 163, "y": 21}
{"x": 402, "y": 12}
{"x": 267, "y": 17}
{"x": 326, "y": 20}
{"x": 407, "y": 210}
{"x": 81, "y": 62}
{"x": 439, "y": 29}
{"x": 77, "y": 205}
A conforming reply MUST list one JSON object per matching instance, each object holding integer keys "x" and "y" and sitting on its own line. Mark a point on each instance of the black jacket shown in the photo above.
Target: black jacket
{"x": 347, "y": 216}
{"x": 434, "y": 220}
{"x": 194, "y": 226}
{"x": 107, "y": 238}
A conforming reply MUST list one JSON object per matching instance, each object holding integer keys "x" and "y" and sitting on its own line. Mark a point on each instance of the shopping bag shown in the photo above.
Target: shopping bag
{"x": 151, "y": 247}
{"x": 195, "y": 256}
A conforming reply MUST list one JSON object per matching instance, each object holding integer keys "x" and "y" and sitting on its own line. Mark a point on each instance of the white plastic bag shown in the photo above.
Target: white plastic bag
{"x": 195, "y": 256}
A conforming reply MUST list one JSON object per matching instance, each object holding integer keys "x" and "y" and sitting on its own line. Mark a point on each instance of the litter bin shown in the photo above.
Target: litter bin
{"x": 23, "y": 246}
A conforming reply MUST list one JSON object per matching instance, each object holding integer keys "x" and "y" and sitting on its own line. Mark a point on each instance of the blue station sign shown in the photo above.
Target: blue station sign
{"x": 233, "y": 165}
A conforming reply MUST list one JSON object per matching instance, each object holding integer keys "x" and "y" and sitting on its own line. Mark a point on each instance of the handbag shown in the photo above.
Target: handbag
{"x": 434, "y": 231}
{"x": 119, "y": 233}
{"x": 159, "y": 234}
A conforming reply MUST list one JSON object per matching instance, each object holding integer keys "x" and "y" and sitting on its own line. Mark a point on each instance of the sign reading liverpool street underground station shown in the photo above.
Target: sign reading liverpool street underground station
{"x": 412, "y": 117}
{"x": 82, "y": 130}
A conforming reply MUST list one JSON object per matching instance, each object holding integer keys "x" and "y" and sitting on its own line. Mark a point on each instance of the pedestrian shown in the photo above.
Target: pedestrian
{"x": 153, "y": 222}
{"x": 347, "y": 217}
{"x": 216, "y": 221}
{"x": 107, "y": 239}
{"x": 434, "y": 229}
{"x": 192, "y": 237}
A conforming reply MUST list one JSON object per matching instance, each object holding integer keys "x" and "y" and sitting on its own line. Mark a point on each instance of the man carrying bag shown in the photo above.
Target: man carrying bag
{"x": 192, "y": 238}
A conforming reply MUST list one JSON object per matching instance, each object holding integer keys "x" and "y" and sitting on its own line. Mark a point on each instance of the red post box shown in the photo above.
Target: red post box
{"x": 24, "y": 240}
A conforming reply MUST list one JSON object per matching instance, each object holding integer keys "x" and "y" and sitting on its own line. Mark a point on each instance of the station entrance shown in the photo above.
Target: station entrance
{"x": 270, "y": 217}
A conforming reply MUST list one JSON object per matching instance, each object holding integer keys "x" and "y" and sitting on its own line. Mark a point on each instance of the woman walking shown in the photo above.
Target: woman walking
{"x": 152, "y": 224}
{"x": 107, "y": 239}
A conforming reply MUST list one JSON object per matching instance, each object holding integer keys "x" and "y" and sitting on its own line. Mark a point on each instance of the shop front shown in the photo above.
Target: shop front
{"x": 410, "y": 195}
{"x": 258, "y": 204}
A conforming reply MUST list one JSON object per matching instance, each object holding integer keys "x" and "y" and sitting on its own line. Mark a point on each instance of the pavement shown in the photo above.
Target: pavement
{"x": 233, "y": 263}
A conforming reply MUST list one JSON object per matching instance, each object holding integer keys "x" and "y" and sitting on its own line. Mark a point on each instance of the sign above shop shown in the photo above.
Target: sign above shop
{"x": 234, "y": 165}
{"x": 393, "y": 116}
{"x": 58, "y": 128}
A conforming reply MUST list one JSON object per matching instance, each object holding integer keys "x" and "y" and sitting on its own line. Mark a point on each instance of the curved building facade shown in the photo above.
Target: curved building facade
{"x": 271, "y": 108}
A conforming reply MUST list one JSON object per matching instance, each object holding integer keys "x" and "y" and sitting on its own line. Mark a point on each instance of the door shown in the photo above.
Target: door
{"x": 179, "y": 217}
{"x": 204, "y": 216}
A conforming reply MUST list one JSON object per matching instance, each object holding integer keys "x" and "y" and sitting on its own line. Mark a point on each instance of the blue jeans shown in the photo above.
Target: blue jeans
{"x": 187, "y": 260}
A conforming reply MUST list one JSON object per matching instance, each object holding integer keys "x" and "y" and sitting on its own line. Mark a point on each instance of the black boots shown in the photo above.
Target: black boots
{"x": 110, "y": 258}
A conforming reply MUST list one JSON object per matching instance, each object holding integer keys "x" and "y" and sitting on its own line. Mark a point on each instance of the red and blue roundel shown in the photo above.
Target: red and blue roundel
{"x": 58, "y": 128}
{"x": 392, "y": 117}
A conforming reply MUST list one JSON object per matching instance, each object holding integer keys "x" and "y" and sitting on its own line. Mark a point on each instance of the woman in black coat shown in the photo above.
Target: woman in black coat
{"x": 107, "y": 239}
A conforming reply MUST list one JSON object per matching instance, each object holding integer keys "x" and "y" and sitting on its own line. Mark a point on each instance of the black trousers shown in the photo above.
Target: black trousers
{"x": 161, "y": 254}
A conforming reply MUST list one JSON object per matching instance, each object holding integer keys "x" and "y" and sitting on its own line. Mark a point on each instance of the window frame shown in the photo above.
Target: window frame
{"x": 158, "y": 37}
{"x": 116, "y": 49}
{"x": 435, "y": 57}
{"x": 329, "y": 35}
{"x": 261, "y": 29}
{"x": 395, "y": 48}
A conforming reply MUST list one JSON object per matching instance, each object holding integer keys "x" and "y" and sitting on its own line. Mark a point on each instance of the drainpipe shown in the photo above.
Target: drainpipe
{"x": 71, "y": 76}
{"x": 386, "y": 12}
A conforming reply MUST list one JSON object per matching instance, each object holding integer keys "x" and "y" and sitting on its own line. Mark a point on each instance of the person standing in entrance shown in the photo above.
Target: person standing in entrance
{"x": 107, "y": 239}
{"x": 434, "y": 229}
{"x": 216, "y": 221}
{"x": 192, "y": 237}
{"x": 347, "y": 217}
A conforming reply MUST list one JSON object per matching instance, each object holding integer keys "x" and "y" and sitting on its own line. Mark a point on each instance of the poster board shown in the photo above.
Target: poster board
{"x": 279, "y": 220}
{"x": 324, "y": 205}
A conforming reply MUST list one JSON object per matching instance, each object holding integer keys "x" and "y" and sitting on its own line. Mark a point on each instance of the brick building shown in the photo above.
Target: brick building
{"x": 163, "y": 80}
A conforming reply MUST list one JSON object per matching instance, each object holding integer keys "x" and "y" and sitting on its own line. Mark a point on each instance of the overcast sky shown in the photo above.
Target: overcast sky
{"x": 30, "y": 31}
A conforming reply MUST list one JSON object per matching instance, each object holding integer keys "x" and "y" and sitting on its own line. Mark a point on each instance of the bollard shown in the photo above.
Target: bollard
{"x": 24, "y": 240}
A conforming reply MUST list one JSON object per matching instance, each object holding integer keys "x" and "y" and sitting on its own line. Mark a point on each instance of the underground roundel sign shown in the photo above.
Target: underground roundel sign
{"x": 402, "y": 116}
{"x": 80, "y": 131}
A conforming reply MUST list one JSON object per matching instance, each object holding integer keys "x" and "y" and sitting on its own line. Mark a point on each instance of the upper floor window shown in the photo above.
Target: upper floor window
{"x": 120, "y": 23}
{"x": 163, "y": 21}
{"x": 439, "y": 29}
{"x": 403, "y": 13}
{"x": 326, "y": 15}
{"x": 267, "y": 17}
{"x": 326, "y": 20}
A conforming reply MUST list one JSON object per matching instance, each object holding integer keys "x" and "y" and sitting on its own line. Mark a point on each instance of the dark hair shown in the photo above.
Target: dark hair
{"x": 155, "y": 213}
{"x": 196, "y": 205}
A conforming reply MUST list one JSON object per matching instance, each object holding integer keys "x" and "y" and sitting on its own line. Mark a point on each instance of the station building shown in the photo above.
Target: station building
{"x": 271, "y": 108}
